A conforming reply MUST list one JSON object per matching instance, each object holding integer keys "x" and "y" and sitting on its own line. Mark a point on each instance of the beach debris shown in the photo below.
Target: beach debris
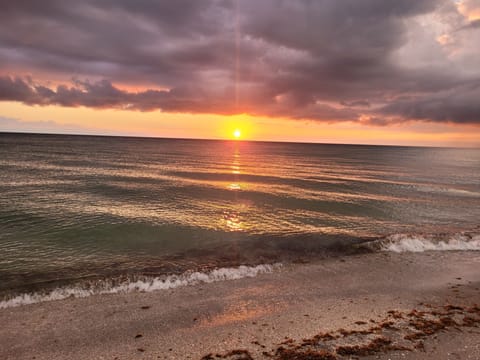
{"x": 292, "y": 354}
{"x": 256, "y": 342}
{"x": 145, "y": 307}
{"x": 397, "y": 331}
{"x": 395, "y": 314}
{"x": 420, "y": 346}
{"x": 379, "y": 344}
{"x": 450, "y": 307}
{"x": 138, "y": 336}
{"x": 231, "y": 355}
{"x": 287, "y": 341}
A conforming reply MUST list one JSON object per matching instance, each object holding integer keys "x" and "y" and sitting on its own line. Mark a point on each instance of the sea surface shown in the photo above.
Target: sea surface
{"x": 83, "y": 213}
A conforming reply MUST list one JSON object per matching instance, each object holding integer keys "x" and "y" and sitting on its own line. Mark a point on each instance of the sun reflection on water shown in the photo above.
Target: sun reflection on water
{"x": 236, "y": 170}
{"x": 234, "y": 186}
{"x": 231, "y": 218}
{"x": 232, "y": 221}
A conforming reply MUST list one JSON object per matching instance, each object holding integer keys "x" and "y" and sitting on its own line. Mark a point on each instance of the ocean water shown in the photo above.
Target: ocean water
{"x": 89, "y": 213}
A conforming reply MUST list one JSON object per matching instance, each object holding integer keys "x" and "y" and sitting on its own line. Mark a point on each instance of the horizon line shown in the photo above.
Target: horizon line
{"x": 3, "y": 132}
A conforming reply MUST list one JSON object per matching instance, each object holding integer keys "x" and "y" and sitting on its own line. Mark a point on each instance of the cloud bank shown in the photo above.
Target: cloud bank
{"x": 369, "y": 61}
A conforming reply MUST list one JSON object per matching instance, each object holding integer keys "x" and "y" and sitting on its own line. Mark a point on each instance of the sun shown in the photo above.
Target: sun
{"x": 237, "y": 133}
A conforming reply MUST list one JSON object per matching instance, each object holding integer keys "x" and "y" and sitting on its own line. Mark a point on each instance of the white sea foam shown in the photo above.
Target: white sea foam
{"x": 146, "y": 284}
{"x": 418, "y": 243}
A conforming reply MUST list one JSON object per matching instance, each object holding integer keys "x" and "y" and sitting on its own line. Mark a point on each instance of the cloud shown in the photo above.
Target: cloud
{"x": 469, "y": 8}
{"x": 458, "y": 105}
{"x": 321, "y": 60}
{"x": 474, "y": 24}
{"x": 358, "y": 103}
{"x": 101, "y": 94}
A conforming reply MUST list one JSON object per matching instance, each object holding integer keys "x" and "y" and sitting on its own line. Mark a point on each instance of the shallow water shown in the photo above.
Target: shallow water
{"x": 80, "y": 207}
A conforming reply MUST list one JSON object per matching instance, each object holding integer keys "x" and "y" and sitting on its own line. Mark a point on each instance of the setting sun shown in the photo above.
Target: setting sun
{"x": 237, "y": 133}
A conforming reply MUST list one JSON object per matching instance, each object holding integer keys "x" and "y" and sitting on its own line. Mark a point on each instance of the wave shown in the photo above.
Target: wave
{"x": 429, "y": 242}
{"x": 397, "y": 243}
{"x": 144, "y": 284}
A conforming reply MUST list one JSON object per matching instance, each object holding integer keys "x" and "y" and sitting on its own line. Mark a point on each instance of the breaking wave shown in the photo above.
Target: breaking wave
{"x": 434, "y": 242}
{"x": 145, "y": 284}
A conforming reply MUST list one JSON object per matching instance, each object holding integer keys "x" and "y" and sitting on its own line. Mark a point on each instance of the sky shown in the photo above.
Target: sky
{"x": 352, "y": 71}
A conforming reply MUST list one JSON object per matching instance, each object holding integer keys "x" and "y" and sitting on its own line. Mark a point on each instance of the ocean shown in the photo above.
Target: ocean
{"x": 81, "y": 215}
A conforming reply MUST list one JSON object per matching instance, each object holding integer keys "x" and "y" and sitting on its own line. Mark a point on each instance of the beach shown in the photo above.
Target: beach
{"x": 263, "y": 317}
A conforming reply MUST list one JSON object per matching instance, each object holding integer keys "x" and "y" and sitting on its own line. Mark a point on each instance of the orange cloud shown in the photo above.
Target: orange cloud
{"x": 470, "y": 9}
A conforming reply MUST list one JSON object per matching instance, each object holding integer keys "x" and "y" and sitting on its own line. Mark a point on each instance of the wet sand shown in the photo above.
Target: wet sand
{"x": 335, "y": 306}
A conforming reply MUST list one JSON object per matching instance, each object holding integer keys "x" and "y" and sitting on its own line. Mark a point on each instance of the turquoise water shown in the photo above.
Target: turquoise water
{"x": 80, "y": 207}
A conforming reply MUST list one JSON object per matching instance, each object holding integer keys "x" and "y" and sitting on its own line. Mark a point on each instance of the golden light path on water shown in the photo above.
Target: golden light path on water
{"x": 232, "y": 218}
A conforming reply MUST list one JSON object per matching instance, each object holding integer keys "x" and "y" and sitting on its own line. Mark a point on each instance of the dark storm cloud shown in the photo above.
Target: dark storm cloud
{"x": 102, "y": 94}
{"x": 474, "y": 24}
{"x": 459, "y": 105}
{"x": 359, "y": 103}
{"x": 323, "y": 60}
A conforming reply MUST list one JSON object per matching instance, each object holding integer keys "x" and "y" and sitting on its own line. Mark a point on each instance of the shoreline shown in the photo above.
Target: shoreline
{"x": 253, "y": 314}
{"x": 226, "y": 267}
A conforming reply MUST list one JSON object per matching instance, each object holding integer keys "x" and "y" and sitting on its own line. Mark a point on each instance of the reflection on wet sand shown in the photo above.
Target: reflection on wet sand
{"x": 245, "y": 309}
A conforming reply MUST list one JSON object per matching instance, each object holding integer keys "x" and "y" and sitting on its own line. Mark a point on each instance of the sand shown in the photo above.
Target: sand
{"x": 258, "y": 314}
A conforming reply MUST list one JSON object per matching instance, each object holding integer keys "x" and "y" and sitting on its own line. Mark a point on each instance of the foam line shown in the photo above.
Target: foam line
{"x": 144, "y": 284}
{"x": 418, "y": 243}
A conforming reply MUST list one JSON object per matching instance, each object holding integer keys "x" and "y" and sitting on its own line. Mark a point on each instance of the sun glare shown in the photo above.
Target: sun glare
{"x": 237, "y": 133}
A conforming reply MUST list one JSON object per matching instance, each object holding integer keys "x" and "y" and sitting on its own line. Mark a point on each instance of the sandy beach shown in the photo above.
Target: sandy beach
{"x": 326, "y": 307}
